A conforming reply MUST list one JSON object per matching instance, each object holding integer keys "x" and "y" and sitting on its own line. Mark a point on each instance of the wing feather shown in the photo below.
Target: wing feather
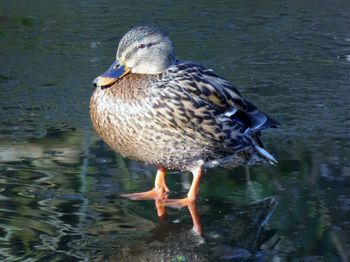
{"x": 205, "y": 87}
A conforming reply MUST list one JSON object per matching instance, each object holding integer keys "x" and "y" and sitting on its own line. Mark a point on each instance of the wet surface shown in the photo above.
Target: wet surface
{"x": 60, "y": 185}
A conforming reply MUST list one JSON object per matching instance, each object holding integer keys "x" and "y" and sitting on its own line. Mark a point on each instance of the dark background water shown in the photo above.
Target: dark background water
{"x": 59, "y": 183}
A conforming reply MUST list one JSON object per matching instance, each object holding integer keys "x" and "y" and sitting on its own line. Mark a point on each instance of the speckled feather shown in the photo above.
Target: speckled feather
{"x": 184, "y": 117}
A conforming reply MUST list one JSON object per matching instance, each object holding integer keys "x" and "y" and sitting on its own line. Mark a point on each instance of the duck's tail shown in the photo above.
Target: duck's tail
{"x": 263, "y": 154}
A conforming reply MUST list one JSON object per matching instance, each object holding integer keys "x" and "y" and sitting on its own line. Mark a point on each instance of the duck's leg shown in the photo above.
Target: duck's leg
{"x": 160, "y": 190}
{"x": 192, "y": 193}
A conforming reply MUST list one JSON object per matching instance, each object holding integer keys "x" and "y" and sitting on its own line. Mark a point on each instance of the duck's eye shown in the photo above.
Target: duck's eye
{"x": 142, "y": 46}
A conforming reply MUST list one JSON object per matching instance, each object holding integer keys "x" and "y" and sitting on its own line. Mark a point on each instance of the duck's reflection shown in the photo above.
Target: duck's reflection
{"x": 192, "y": 208}
{"x": 226, "y": 232}
{"x": 255, "y": 215}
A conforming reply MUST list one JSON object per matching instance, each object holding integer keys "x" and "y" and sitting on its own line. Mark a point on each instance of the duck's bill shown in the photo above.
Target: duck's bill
{"x": 108, "y": 78}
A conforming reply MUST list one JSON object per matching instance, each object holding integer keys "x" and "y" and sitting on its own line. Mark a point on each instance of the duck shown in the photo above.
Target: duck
{"x": 174, "y": 114}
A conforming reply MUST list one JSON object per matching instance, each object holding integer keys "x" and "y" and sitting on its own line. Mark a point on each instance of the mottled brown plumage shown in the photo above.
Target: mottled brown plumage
{"x": 177, "y": 114}
{"x": 175, "y": 119}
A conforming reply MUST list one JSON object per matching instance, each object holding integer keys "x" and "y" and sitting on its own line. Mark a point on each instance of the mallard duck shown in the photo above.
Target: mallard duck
{"x": 174, "y": 114}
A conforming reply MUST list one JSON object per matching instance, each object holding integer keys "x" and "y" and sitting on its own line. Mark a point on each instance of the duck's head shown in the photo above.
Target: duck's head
{"x": 142, "y": 50}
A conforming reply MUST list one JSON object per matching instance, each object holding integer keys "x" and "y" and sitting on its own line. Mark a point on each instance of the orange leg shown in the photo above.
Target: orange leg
{"x": 160, "y": 190}
{"x": 192, "y": 193}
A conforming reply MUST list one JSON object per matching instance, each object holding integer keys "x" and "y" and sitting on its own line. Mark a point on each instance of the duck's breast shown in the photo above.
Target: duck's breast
{"x": 120, "y": 115}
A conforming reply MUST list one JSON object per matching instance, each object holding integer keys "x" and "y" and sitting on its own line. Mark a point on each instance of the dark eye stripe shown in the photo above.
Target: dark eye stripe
{"x": 145, "y": 45}
{"x": 134, "y": 50}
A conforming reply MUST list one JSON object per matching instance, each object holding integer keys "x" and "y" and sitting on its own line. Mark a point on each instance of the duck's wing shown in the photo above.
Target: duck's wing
{"x": 205, "y": 87}
{"x": 204, "y": 84}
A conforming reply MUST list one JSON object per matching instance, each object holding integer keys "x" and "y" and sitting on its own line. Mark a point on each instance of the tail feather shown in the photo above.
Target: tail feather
{"x": 266, "y": 155}
{"x": 254, "y": 119}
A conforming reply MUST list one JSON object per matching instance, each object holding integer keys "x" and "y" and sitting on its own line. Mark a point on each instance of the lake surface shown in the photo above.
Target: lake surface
{"x": 60, "y": 184}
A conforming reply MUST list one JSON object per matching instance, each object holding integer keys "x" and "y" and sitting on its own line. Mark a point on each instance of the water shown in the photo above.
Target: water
{"x": 60, "y": 184}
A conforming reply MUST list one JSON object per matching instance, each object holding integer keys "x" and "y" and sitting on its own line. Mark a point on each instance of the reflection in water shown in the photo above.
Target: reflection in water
{"x": 60, "y": 197}
{"x": 237, "y": 233}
